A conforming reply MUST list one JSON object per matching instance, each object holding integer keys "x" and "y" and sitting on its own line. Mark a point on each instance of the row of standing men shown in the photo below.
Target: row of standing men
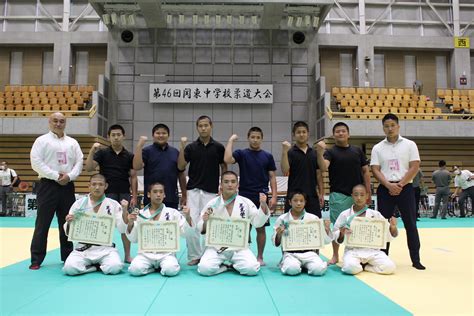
{"x": 58, "y": 160}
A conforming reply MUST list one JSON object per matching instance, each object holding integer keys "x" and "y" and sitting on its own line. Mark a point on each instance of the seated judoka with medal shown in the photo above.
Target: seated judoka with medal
{"x": 166, "y": 262}
{"x": 89, "y": 257}
{"x": 231, "y": 205}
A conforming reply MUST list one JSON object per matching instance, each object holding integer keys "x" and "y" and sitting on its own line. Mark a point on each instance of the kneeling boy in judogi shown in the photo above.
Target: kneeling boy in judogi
{"x": 358, "y": 259}
{"x": 293, "y": 261}
{"x": 166, "y": 262}
{"x": 231, "y": 205}
{"x": 88, "y": 257}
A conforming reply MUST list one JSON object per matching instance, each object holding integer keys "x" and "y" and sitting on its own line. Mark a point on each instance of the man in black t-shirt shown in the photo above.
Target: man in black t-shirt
{"x": 116, "y": 164}
{"x": 348, "y": 167}
{"x": 206, "y": 158}
{"x": 304, "y": 168}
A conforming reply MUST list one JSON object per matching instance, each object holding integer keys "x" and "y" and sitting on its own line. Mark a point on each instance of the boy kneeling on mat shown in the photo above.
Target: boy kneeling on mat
{"x": 92, "y": 257}
{"x": 357, "y": 259}
{"x": 166, "y": 262}
{"x": 293, "y": 261}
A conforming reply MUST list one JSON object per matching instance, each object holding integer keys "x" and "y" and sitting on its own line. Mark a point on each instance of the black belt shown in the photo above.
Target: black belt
{"x": 303, "y": 251}
{"x": 394, "y": 181}
{"x": 87, "y": 246}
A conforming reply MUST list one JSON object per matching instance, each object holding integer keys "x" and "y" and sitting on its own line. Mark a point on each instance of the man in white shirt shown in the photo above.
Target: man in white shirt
{"x": 6, "y": 181}
{"x": 464, "y": 180}
{"x": 58, "y": 159}
{"x": 395, "y": 161}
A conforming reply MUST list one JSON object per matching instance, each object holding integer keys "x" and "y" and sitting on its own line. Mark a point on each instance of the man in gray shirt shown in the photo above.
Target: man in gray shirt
{"x": 441, "y": 178}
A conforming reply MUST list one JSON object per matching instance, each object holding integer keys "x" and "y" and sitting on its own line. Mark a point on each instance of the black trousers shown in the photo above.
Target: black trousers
{"x": 51, "y": 198}
{"x": 406, "y": 205}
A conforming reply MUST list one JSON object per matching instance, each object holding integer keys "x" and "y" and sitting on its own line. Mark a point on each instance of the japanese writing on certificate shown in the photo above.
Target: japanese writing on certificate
{"x": 232, "y": 232}
{"x": 156, "y": 236}
{"x": 211, "y": 93}
{"x": 92, "y": 229}
{"x": 368, "y": 233}
{"x": 303, "y": 235}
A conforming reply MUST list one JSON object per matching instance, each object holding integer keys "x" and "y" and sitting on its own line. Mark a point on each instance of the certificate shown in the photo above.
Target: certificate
{"x": 227, "y": 232}
{"x": 368, "y": 233}
{"x": 90, "y": 228}
{"x": 156, "y": 236}
{"x": 303, "y": 235}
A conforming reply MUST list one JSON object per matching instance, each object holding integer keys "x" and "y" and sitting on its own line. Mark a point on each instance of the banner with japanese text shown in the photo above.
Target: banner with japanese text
{"x": 211, "y": 93}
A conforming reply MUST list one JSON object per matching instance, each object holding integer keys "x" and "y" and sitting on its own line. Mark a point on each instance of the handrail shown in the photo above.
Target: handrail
{"x": 90, "y": 113}
{"x": 331, "y": 114}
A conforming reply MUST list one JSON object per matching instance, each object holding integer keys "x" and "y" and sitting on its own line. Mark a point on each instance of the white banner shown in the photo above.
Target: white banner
{"x": 211, "y": 93}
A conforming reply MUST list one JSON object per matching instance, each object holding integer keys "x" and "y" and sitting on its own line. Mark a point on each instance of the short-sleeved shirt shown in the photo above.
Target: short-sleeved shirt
{"x": 254, "y": 166}
{"x": 464, "y": 180}
{"x": 115, "y": 168}
{"x": 345, "y": 168}
{"x": 204, "y": 165}
{"x": 441, "y": 178}
{"x": 303, "y": 168}
{"x": 6, "y": 177}
{"x": 161, "y": 165}
{"x": 394, "y": 158}
{"x": 417, "y": 179}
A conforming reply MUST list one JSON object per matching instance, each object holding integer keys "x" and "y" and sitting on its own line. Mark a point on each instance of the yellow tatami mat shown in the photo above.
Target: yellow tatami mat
{"x": 15, "y": 244}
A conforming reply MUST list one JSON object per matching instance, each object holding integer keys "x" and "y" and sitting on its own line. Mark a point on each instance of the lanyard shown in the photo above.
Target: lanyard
{"x": 158, "y": 211}
{"x": 350, "y": 218}
{"x": 227, "y": 202}
{"x": 83, "y": 207}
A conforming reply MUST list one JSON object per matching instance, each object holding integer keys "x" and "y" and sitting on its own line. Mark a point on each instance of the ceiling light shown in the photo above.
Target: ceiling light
{"x": 229, "y": 19}
{"x": 123, "y": 19}
{"x": 131, "y": 19}
{"x": 290, "y": 21}
{"x": 195, "y": 19}
{"x": 218, "y": 19}
{"x": 241, "y": 19}
{"x": 254, "y": 19}
{"x": 106, "y": 18}
{"x": 206, "y": 19}
{"x": 315, "y": 21}
{"x": 181, "y": 19}
{"x": 113, "y": 18}
{"x": 299, "y": 20}
{"x": 307, "y": 21}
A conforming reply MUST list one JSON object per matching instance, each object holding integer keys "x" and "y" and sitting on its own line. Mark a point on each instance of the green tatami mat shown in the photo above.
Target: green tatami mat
{"x": 48, "y": 291}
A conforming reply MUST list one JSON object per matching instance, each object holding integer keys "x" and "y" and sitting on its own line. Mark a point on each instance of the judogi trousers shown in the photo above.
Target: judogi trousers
{"x": 145, "y": 263}
{"x": 244, "y": 261}
{"x": 292, "y": 263}
{"x": 79, "y": 262}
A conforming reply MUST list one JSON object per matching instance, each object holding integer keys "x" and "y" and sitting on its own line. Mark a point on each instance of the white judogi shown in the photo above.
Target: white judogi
{"x": 196, "y": 200}
{"x": 147, "y": 262}
{"x": 377, "y": 261}
{"x": 80, "y": 262}
{"x": 292, "y": 262}
{"x": 244, "y": 261}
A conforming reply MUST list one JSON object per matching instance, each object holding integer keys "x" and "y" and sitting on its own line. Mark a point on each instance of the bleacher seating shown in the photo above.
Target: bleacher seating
{"x": 22, "y": 99}
{"x": 457, "y": 100}
{"x": 375, "y": 102}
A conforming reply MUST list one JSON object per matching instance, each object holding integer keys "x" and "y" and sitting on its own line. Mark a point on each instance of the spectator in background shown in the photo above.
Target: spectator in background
{"x": 463, "y": 180}
{"x": 8, "y": 177}
{"x": 441, "y": 178}
{"x": 417, "y": 180}
{"x": 417, "y": 87}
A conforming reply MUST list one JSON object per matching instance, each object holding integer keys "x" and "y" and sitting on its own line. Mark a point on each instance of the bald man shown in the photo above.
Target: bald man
{"x": 57, "y": 158}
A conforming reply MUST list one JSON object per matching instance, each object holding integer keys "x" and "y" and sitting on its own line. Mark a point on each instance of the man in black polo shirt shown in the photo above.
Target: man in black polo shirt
{"x": 304, "y": 167}
{"x": 204, "y": 156}
{"x": 160, "y": 163}
{"x": 347, "y": 167}
{"x": 115, "y": 163}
